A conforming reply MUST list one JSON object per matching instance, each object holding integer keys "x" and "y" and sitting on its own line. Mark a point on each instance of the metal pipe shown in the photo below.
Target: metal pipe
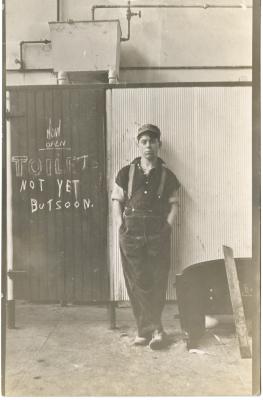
{"x": 129, "y": 14}
{"x": 62, "y": 78}
{"x": 31, "y": 70}
{"x": 142, "y": 68}
{"x": 112, "y": 314}
{"x": 9, "y": 221}
{"x": 58, "y": 10}
{"x": 125, "y": 39}
{"x": 204, "y": 6}
{"x": 256, "y": 196}
{"x": 201, "y": 67}
{"x": 21, "y": 44}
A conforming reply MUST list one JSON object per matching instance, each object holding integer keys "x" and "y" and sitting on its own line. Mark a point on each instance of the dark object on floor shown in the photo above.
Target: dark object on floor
{"x": 203, "y": 290}
{"x": 159, "y": 340}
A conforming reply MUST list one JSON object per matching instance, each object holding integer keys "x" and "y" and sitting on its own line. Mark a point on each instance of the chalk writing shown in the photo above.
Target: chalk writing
{"x": 62, "y": 187}
{"x": 69, "y": 186}
{"x": 56, "y": 143}
{"x": 53, "y": 132}
{"x": 36, "y": 174}
{"x": 32, "y": 184}
{"x": 52, "y": 204}
{"x": 50, "y": 166}
{"x": 19, "y": 161}
{"x": 53, "y": 138}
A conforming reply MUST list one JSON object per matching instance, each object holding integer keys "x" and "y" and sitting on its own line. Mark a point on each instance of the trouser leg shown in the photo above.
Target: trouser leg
{"x": 138, "y": 282}
{"x": 146, "y": 267}
{"x": 159, "y": 260}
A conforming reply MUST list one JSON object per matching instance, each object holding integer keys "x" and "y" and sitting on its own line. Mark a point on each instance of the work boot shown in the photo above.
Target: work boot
{"x": 159, "y": 340}
{"x": 141, "y": 340}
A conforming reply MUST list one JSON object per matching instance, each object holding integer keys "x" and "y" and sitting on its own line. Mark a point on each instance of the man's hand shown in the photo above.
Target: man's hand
{"x": 172, "y": 214}
{"x": 169, "y": 223}
{"x": 119, "y": 224}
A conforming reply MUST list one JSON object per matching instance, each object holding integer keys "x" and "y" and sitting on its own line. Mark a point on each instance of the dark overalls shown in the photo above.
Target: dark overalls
{"x": 145, "y": 246}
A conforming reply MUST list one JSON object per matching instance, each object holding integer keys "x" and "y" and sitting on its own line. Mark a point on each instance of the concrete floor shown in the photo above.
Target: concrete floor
{"x": 70, "y": 351}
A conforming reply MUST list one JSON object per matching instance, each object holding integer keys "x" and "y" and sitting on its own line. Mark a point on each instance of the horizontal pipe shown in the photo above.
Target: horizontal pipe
{"x": 31, "y": 70}
{"x": 22, "y": 43}
{"x": 219, "y": 67}
{"x": 123, "y": 85}
{"x": 144, "y": 68}
{"x": 35, "y": 41}
{"x": 204, "y": 6}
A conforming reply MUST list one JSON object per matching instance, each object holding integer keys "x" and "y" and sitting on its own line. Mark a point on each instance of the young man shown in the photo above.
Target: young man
{"x": 145, "y": 206}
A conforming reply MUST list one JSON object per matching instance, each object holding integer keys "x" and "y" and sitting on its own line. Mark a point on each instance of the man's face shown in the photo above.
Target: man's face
{"x": 149, "y": 146}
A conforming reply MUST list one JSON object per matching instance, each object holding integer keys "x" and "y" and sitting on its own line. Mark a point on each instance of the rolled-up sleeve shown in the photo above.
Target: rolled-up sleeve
{"x": 117, "y": 193}
{"x": 174, "y": 197}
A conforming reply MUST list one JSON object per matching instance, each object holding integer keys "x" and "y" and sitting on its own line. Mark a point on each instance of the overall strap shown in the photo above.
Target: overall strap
{"x": 162, "y": 182}
{"x": 161, "y": 185}
{"x": 130, "y": 182}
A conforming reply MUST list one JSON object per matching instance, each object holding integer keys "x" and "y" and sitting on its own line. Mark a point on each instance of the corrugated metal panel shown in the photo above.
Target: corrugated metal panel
{"x": 63, "y": 248}
{"x": 207, "y": 143}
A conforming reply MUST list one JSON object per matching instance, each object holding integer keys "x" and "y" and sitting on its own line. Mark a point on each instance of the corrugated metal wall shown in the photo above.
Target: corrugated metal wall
{"x": 206, "y": 134}
{"x": 59, "y": 193}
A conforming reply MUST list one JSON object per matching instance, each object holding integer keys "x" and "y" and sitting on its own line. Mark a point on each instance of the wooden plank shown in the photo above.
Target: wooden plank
{"x": 48, "y": 218}
{"x": 40, "y": 216}
{"x": 60, "y": 216}
{"x": 236, "y": 300}
{"x": 77, "y": 230}
{"x": 68, "y": 213}
{"x": 85, "y": 137}
{"x": 36, "y": 256}
{"x": 21, "y": 210}
{"x": 103, "y": 276}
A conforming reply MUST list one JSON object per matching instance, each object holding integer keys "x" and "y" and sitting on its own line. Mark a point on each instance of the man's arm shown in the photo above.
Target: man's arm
{"x": 117, "y": 212}
{"x": 174, "y": 201}
{"x": 172, "y": 214}
{"x": 117, "y": 204}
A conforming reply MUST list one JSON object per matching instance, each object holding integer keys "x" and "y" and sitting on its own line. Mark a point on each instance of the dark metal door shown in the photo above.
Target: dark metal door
{"x": 59, "y": 193}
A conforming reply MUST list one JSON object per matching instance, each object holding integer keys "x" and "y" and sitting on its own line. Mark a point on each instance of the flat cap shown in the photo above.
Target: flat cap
{"x": 152, "y": 130}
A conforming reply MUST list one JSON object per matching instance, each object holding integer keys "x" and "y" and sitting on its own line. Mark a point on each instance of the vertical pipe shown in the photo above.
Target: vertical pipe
{"x": 58, "y": 10}
{"x": 9, "y": 235}
{"x": 256, "y": 166}
{"x": 3, "y": 246}
{"x": 112, "y": 76}
{"x": 62, "y": 78}
{"x": 112, "y": 314}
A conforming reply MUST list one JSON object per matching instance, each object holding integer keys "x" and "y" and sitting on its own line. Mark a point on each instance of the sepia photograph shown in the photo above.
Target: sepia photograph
{"x": 130, "y": 198}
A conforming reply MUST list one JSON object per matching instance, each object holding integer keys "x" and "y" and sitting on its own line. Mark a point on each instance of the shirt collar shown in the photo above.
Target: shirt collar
{"x": 158, "y": 165}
